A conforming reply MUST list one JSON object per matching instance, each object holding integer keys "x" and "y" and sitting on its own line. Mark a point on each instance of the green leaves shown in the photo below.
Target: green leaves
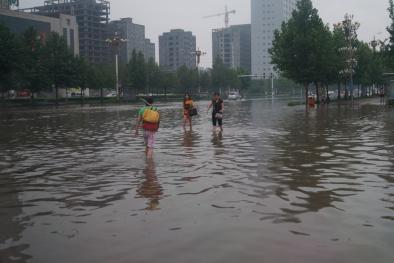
{"x": 301, "y": 46}
{"x": 136, "y": 71}
{"x": 306, "y": 51}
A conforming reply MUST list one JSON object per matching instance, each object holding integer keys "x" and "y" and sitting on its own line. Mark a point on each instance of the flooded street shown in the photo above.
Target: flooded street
{"x": 278, "y": 185}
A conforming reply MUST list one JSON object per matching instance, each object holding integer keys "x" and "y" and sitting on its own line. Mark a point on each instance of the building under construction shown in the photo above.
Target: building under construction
{"x": 92, "y": 18}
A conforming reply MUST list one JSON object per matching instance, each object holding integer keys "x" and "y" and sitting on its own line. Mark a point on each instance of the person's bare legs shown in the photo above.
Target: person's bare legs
{"x": 149, "y": 153}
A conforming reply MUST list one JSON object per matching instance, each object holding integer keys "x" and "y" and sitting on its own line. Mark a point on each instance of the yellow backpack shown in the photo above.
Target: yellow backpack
{"x": 151, "y": 116}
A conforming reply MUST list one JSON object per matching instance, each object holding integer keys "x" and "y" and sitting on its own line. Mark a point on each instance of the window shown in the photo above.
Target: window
{"x": 65, "y": 34}
{"x": 72, "y": 40}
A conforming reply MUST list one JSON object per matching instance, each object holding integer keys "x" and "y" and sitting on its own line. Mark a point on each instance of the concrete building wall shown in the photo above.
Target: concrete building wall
{"x": 64, "y": 25}
{"x": 267, "y": 16}
{"x": 92, "y": 18}
{"x": 135, "y": 36}
{"x": 233, "y": 46}
{"x": 150, "y": 50}
{"x": 176, "y": 49}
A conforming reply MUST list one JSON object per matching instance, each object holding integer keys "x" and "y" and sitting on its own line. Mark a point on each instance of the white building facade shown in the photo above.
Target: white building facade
{"x": 267, "y": 16}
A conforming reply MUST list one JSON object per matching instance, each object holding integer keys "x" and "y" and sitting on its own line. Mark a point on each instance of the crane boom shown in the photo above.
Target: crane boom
{"x": 226, "y": 15}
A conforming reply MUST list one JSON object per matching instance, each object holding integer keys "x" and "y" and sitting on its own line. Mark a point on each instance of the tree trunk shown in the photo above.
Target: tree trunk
{"x": 101, "y": 95}
{"x": 317, "y": 93}
{"x": 306, "y": 86}
{"x": 346, "y": 92}
{"x": 56, "y": 96}
{"x": 339, "y": 90}
{"x": 82, "y": 96}
{"x": 327, "y": 95}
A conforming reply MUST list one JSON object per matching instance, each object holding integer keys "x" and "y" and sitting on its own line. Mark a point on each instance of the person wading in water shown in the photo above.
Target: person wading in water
{"x": 217, "y": 112}
{"x": 188, "y": 107}
{"x": 149, "y": 117}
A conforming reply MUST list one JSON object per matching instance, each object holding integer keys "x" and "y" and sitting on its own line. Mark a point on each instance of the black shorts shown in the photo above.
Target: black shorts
{"x": 216, "y": 121}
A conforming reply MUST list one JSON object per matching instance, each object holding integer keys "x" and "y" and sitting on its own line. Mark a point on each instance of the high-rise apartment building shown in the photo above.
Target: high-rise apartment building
{"x": 267, "y": 16}
{"x": 92, "y": 18}
{"x": 233, "y": 46}
{"x": 150, "y": 50}
{"x": 136, "y": 40}
{"x": 176, "y": 49}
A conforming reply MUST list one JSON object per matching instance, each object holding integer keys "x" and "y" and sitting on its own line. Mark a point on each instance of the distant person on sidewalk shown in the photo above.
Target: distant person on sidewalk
{"x": 149, "y": 117}
{"x": 217, "y": 106}
{"x": 188, "y": 111}
{"x": 382, "y": 96}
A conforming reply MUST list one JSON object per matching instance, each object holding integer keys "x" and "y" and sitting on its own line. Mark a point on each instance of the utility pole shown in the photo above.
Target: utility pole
{"x": 115, "y": 42}
{"x": 198, "y": 54}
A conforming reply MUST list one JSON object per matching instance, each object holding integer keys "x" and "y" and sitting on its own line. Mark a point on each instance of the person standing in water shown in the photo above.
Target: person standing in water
{"x": 217, "y": 112}
{"x": 149, "y": 117}
{"x": 188, "y": 105}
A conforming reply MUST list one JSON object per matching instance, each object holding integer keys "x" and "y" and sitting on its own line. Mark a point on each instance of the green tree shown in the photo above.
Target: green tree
{"x": 58, "y": 62}
{"x": 32, "y": 71}
{"x": 245, "y": 82}
{"x": 153, "y": 76}
{"x": 9, "y": 58}
{"x": 369, "y": 70}
{"x": 188, "y": 79}
{"x": 136, "y": 72}
{"x": 297, "y": 49}
{"x": 206, "y": 80}
{"x": 390, "y": 29}
{"x": 101, "y": 77}
{"x": 338, "y": 59}
{"x": 169, "y": 82}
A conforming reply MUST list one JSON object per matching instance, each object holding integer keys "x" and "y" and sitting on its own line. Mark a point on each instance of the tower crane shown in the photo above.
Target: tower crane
{"x": 226, "y": 15}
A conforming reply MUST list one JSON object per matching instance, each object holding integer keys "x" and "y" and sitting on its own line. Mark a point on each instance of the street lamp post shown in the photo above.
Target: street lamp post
{"x": 115, "y": 42}
{"x": 198, "y": 54}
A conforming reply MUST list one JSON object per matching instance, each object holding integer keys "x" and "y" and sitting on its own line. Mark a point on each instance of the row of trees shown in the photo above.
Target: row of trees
{"x": 30, "y": 62}
{"x": 148, "y": 77}
{"x": 307, "y": 51}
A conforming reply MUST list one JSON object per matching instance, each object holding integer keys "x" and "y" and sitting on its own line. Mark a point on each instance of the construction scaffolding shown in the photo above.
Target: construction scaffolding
{"x": 7, "y": 4}
{"x": 92, "y": 18}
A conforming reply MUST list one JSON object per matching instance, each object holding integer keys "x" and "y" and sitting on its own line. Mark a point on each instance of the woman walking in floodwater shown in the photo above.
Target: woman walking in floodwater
{"x": 188, "y": 106}
{"x": 217, "y": 112}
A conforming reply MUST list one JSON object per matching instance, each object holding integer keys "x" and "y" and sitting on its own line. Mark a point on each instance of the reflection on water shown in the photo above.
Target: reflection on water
{"x": 280, "y": 184}
{"x": 150, "y": 188}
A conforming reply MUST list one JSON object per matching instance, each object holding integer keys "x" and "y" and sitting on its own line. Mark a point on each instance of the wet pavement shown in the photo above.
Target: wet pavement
{"x": 280, "y": 184}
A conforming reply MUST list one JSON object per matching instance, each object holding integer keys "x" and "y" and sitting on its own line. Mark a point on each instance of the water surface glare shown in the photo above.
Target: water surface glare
{"x": 280, "y": 184}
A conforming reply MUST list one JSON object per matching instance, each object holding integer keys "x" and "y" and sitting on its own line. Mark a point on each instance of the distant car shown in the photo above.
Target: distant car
{"x": 234, "y": 95}
{"x": 23, "y": 93}
{"x": 111, "y": 95}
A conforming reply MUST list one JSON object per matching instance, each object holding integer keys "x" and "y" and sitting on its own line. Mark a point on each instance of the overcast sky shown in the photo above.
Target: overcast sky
{"x": 162, "y": 15}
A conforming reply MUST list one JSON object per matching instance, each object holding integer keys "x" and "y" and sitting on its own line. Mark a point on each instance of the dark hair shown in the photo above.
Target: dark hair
{"x": 149, "y": 101}
{"x": 216, "y": 94}
{"x": 184, "y": 98}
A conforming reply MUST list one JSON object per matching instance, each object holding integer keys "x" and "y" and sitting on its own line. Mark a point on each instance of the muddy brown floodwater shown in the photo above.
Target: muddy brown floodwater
{"x": 279, "y": 185}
